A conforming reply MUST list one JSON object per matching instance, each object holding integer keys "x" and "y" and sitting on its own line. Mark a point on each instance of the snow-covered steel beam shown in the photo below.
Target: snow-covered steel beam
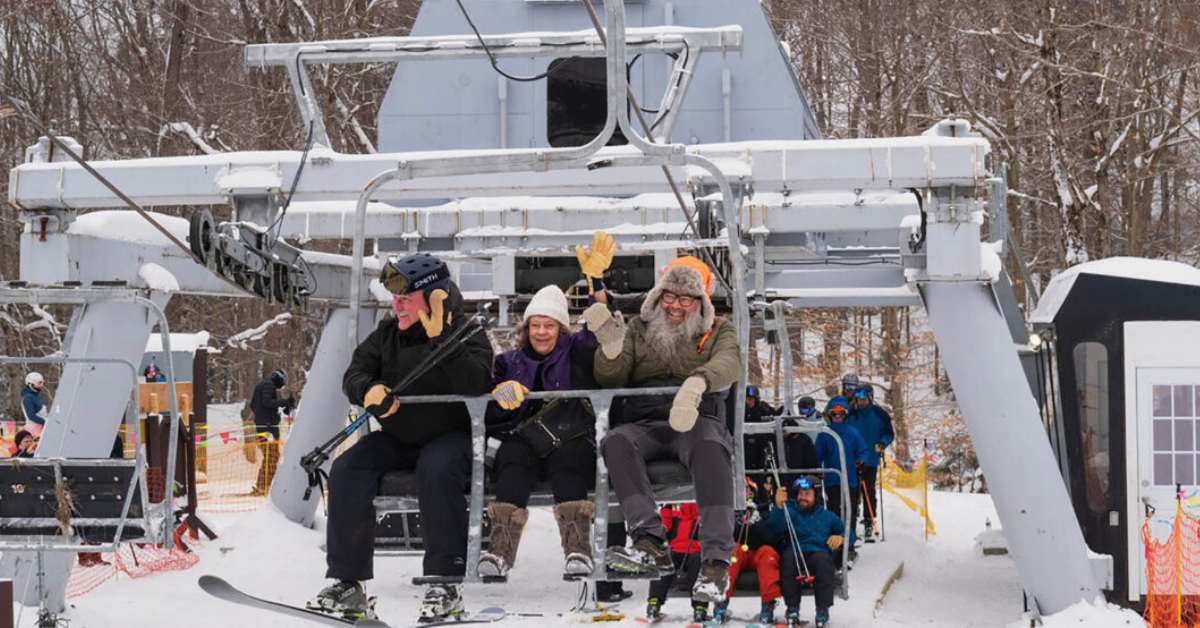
{"x": 801, "y": 212}
{"x": 119, "y": 245}
{"x": 783, "y": 167}
{"x": 899, "y": 296}
{"x": 584, "y": 43}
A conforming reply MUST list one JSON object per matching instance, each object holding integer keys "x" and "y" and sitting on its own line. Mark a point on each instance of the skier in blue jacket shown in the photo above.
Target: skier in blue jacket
{"x": 836, "y": 412}
{"x": 874, "y": 424}
{"x": 818, "y": 534}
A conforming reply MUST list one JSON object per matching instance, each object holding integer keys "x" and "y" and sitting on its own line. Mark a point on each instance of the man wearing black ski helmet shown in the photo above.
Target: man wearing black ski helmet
{"x": 431, "y": 439}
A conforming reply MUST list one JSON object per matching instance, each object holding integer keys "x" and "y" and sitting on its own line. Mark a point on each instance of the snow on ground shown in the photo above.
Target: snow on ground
{"x": 946, "y": 582}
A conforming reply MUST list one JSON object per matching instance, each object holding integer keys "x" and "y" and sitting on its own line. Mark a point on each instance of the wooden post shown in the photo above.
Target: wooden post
{"x": 6, "y": 603}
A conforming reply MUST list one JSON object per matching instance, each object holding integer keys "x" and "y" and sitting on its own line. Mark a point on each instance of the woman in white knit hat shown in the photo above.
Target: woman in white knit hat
{"x": 554, "y": 440}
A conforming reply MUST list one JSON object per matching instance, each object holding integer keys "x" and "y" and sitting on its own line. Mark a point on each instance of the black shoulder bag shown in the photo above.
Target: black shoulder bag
{"x": 559, "y": 421}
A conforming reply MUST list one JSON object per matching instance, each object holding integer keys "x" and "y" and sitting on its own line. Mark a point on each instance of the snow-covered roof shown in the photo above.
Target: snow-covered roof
{"x": 1126, "y": 267}
{"x": 189, "y": 343}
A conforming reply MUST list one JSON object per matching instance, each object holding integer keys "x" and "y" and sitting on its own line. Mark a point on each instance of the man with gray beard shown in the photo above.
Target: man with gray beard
{"x": 676, "y": 340}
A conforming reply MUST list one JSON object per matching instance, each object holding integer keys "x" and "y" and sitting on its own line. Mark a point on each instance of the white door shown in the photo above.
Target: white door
{"x": 1163, "y": 399}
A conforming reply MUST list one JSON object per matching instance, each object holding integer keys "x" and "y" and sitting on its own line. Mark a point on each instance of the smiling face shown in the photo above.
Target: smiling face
{"x": 407, "y": 306}
{"x": 805, "y": 498}
{"x": 678, "y": 308}
{"x": 543, "y": 334}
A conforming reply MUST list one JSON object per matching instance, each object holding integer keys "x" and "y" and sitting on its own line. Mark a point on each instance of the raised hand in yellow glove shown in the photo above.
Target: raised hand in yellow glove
{"x": 509, "y": 395}
{"x": 593, "y": 263}
{"x": 834, "y": 542}
{"x": 438, "y": 318}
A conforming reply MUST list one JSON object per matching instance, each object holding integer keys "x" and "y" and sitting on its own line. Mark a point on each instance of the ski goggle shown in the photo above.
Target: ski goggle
{"x": 807, "y": 412}
{"x": 837, "y": 412}
{"x": 802, "y": 484}
{"x": 862, "y": 393}
{"x": 392, "y": 279}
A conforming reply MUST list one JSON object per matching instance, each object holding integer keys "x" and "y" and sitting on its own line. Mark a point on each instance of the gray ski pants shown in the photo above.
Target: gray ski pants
{"x": 707, "y": 453}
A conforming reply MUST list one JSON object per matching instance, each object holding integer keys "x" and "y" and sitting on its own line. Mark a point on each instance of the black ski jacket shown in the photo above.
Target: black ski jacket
{"x": 387, "y": 356}
{"x": 265, "y": 406}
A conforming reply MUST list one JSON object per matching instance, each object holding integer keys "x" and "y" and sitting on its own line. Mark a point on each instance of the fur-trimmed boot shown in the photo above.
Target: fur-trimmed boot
{"x": 575, "y": 527}
{"x": 507, "y": 523}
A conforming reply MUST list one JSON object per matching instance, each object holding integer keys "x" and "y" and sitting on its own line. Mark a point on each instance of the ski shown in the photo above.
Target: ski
{"x": 485, "y": 616}
{"x": 220, "y": 589}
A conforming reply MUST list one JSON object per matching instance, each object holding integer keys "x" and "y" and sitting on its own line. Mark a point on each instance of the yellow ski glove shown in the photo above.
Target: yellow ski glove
{"x": 509, "y": 395}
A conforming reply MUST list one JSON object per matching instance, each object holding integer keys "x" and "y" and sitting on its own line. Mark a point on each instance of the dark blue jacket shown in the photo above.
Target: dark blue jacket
{"x": 33, "y": 406}
{"x": 827, "y": 452}
{"x": 813, "y": 527}
{"x": 874, "y": 424}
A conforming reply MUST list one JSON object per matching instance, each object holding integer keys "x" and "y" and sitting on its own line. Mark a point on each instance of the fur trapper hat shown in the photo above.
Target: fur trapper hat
{"x": 684, "y": 276}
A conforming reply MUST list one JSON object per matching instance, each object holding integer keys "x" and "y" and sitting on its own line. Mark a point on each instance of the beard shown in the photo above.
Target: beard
{"x": 673, "y": 343}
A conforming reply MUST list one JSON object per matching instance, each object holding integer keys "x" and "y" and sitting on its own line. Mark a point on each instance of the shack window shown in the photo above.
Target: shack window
{"x": 577, "y": 102}
{"x": 1091, "y": 394}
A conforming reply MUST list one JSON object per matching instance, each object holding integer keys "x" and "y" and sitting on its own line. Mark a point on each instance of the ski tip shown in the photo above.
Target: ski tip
{"x": 371, "y": 623}
{"x": 209, "y": 582}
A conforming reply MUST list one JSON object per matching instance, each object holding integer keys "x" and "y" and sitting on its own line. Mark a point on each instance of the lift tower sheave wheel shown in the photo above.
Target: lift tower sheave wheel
{"x": 201, "y": 238}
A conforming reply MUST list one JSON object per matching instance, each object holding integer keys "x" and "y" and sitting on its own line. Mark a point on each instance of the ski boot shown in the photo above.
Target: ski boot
{"x": 611, "y": 592}
{"x": 442, "y": 602}
{"x": 868, "y": 533}
{"x": 720, "y": 612}
{"x": 654, "y": 612}
{"x": 766, "y": 615}
{"x": 712, "y": 582}
{"x": 792, "y": 617}
{"x": 822, "y": 619}
{"x": 344, "y": 598}
{"x": 648, "y": 556}
{"x": 699, "y": 611}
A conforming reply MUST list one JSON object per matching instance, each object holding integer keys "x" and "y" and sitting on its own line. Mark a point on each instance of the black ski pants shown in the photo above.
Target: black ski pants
{"x": 866, "y": 483}
{"x": 820, "y": 565}
{"x": 687, "y": 569}
{"x": 571, "y": 470}
{"x": 443, "y": 467}
{"x": 834, "y": 504}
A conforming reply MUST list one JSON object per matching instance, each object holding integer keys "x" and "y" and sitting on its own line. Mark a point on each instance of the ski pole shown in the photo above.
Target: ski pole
{"x": 879, "y": 485}
{"x": 797, "y": 555}
{"x": 313, "y": 460}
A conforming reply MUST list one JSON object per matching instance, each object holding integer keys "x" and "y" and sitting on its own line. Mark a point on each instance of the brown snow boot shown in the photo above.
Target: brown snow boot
{"x": 507, "y": 522}
{"x": 575, "y": 527}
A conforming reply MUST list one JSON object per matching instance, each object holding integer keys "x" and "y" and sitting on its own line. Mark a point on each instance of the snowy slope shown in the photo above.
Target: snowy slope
{"x": 946, "y": 582}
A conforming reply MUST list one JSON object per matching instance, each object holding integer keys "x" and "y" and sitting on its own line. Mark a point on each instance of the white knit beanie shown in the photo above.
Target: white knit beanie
{"x": 550, "y": 302}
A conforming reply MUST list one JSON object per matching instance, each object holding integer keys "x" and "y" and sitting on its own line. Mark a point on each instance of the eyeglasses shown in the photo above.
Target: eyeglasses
{"x": 670, "y": 298}
{"x": 392, "y": 278}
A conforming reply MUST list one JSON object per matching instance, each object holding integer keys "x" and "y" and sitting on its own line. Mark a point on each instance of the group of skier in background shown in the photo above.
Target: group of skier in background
{"x": 676, "y": 339}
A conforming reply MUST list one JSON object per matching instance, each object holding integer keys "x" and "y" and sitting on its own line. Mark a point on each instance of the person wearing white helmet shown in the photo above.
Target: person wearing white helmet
{"x": 32, "y": 405}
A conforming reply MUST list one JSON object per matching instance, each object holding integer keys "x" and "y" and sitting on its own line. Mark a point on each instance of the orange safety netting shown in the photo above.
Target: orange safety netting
{"x": 1173, "y": 572}
{"x": 134, "y": 560}
{"x": 234, "y": 470}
